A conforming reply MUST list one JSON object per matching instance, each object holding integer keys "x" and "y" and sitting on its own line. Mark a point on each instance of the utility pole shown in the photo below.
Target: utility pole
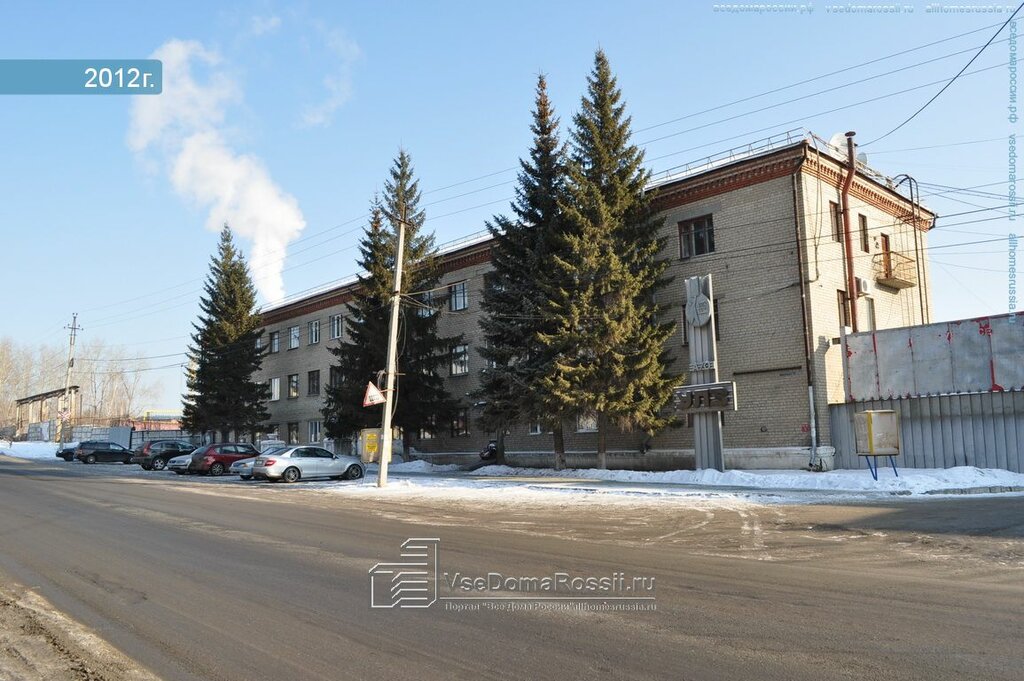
{"x": 65, "y": 407}
{"x": 392, "y": 368}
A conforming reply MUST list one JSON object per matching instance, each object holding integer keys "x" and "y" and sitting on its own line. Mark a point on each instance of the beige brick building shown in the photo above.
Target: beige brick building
{"x": 765, "y": 224}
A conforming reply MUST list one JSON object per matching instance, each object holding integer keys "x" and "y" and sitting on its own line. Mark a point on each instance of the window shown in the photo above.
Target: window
{"x": 337, "y": 326}
{"x": 313, "y": 332}
{"x": 427, "y": 432}
{"x": 537, "y": 428}
{"x": 259, "y": 343}
{"x": 275, "y": 389}
{"x": 426, "y": 306}
{"x": 460, "y": 423}
{"x": 865, "y": 245}
{"x": 870, "y": 321}
{"x": 836, "y": 215}
{"x": 586, "y": 423}
{"x": 696, "y": 237}
{"x": 293, "y": 433}
{"x": 844, "y": 307}
{"x": 460, "y": 360}
{"x": 293, "y": 337}
{"x": 271, "y": 431}
{"x": 492, "y": 283}
{"x": 275, "y": 341}
{"x": 335, "y": 377}
{"x": 293, "y": 386}
{"x": 313, "y": 382}
{"x": 457, "y": 298}
{"x": 314, "y": 431}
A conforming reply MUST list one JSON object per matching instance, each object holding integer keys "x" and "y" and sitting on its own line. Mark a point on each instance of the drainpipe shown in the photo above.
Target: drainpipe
{"x": 808, "y": 346}
{"x": 851, "y": 288}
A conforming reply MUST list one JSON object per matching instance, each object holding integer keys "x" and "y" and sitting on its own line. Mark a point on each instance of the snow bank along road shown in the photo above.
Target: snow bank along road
{"x": 211, "y": 579}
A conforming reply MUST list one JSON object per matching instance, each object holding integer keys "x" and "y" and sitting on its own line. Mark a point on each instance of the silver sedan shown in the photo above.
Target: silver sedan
{"x": 295, "y": 463}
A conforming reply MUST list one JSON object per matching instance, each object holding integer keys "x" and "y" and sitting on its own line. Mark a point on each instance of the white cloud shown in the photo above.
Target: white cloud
{"x": 263, "y": 25}
{"x": 184, "y": 125}
{"x": 344, "y": 53}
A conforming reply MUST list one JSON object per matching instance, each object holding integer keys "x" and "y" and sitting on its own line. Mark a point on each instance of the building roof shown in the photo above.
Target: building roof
{"x": 783, "y": 147}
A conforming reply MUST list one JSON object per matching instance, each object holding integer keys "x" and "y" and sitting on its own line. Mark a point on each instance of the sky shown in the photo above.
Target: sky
{"x": 284, "y": 118}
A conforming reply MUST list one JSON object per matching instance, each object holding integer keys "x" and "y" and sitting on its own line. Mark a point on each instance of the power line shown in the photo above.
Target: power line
{"x": 951, "y": 80}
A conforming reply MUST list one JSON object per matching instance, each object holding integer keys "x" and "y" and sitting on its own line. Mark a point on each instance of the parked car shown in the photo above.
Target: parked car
{"x": 153, "y": 455}
{"x": 67, "y": 452}
{"x": 93, "y": 451}
{"x": 217, "y": 458}
{"x": 295, "y": 463}
{"x": 180, "y": 464}
{"x": 243, "y": 467}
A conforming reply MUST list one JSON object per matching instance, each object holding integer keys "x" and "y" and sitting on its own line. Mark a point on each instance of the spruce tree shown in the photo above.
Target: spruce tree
{"x": 514, "y": 297}
{"x": 422, "y": 403}
{"x": 222, "y": 395}
{"x": 610, "y": 348}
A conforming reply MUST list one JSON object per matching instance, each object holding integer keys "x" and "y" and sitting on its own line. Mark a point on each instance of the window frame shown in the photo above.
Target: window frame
{"x": 275, "y": 342}
{"x": 309, "y": 431}
{"x": 579, "y": 423}
{"x": 836, "y": 219}
{"x": 862, "y": 225}
{"x": 458, "y": 296}
{"x": 313, "y": 332}
{"x": 460, "y": 356}
{"x": 275, "y": 388}
{"x": 310, "y": 375}
{"x": 460, "y": 422}
{"x": 843, "y": 306}
{"x": 688, "y": 231}
{"x": 293, "y": 393}
{"x": 337, "y": 324}
{"x": 294, "y": 337}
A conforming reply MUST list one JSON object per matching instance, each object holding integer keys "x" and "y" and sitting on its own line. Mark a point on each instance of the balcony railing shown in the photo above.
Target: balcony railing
{"x": 895, "y": 270}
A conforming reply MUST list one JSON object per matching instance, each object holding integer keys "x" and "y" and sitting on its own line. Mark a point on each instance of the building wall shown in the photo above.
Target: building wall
{"x": 768, "y": 214}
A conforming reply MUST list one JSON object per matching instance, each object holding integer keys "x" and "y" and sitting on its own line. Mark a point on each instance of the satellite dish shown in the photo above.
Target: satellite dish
{"x": 838, "y": 142}
{"x": 862, "y": 158}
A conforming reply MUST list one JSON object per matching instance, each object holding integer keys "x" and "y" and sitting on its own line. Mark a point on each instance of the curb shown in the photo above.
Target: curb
{"x": 998, "y": 489}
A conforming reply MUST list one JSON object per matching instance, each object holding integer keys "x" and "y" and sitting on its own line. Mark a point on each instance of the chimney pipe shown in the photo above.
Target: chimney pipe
{"x": 851, "y": 288}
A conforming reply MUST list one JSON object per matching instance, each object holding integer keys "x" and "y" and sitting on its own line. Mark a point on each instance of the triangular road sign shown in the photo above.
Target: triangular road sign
{"x": 373, "y": 395}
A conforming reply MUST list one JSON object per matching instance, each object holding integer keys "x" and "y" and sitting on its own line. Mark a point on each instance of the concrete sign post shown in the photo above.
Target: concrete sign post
{"x": 700, "y": 323}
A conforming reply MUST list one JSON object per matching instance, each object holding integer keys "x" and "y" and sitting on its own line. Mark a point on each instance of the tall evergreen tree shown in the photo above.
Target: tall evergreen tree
{"x": 422, "y": 403}
{"x": 223, "y": 356}
{"x": 610, "y": 350}
{"x": 514, "y": 296}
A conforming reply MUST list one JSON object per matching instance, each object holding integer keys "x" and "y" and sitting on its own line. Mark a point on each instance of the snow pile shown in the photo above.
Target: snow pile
{"x": 32, "y": 450}
{"x": 910, "y": 480}
{"x": 418, "y": 466}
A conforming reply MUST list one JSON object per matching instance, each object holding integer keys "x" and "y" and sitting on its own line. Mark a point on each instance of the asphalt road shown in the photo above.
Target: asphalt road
{"x": 209, "y": 579}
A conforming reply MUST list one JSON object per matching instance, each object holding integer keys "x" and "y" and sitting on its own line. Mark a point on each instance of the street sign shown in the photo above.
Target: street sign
{"x": 706, "y": 398}
{"x": 373, "y": 395}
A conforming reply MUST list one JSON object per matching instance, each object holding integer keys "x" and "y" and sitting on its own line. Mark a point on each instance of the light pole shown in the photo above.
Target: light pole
{"x": 387, "y": 441}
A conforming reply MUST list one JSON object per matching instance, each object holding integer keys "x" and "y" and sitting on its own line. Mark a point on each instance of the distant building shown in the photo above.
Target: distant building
{"x": 766, "y": 223}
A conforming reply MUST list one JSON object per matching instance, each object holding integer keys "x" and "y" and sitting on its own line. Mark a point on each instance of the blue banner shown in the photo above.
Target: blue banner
{"x": 81, "y": 76}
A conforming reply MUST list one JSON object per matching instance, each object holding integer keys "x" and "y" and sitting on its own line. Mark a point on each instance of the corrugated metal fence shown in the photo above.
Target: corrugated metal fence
{"x": 979, "y": 429}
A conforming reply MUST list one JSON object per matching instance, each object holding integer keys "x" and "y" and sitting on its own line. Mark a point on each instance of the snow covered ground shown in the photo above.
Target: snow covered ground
{"x": 910, "y": 480}
{"x": 505, "y": 485}
{"x": 31, "y": 450}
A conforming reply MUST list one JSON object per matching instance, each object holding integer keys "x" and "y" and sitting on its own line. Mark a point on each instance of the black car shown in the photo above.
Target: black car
{"x": 67, "y": 453}
{"x": 94, "y": 451}
{"x": 153, "y": 455}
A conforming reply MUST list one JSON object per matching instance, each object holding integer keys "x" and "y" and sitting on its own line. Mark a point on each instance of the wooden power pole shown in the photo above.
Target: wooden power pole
{"x": 64, "y": 412}
{"x": 387, "y": 441}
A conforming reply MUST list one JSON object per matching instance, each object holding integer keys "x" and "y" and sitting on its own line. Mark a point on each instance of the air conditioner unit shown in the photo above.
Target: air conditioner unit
{"x": 863, "y": 286}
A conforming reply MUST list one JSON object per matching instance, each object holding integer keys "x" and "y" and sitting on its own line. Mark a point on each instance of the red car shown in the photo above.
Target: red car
{"x": 216, "y": 459}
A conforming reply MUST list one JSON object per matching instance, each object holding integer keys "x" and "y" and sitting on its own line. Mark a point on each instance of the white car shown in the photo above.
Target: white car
{"x": 180, "y": 464}
{"x": 243, "y": 468}
{"x": 292, "y": 464}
